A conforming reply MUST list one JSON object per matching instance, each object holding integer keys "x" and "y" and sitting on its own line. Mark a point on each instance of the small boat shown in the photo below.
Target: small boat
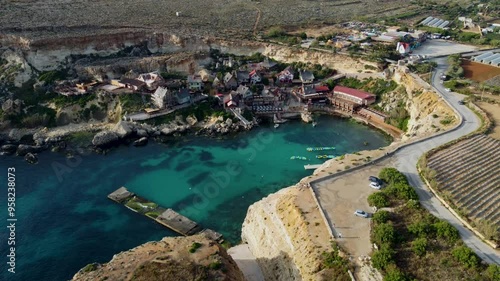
{"x": 314, "y": 124}
{"x": 276, "y": 125}
{"x": 325, "y": 156}
{"x": 298, "y": 158}
{"x": 320, "y": 148}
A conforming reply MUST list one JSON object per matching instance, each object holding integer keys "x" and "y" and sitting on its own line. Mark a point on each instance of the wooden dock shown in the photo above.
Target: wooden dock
{"x": 166, "y": 217}
{"x": 312, "y": 167}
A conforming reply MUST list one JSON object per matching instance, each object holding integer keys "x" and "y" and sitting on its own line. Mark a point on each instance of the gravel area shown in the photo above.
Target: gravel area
{"x": 438, "y": 47}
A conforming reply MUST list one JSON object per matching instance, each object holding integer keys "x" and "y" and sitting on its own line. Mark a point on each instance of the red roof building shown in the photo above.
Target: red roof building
{"x": 322, "y": 89}
{"x": 354, "y": 95}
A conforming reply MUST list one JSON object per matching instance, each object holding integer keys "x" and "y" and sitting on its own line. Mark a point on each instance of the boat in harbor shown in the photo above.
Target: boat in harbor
{"x": 276, "y": 125}
{"x": 298, "y": 158}
{"x": 314, "y": 124}
{"x": 278, "y": 120}
{"x": 325, "y": 156}
{"x": 320, "y": 148}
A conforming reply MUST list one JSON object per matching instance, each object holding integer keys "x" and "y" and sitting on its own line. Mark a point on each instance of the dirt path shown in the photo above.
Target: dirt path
{"x": 493, "y": 111}
{"x": 259, "y": 13}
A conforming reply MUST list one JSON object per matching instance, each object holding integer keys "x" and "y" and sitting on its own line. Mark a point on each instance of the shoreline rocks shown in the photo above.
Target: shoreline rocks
{"x": 105, "y": 138}
{"x": 24, "y": 149}
{"x": 31, "y": 158}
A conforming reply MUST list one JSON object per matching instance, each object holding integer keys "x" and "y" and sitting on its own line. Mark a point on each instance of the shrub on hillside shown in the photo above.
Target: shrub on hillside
{"x": 378, "y": 200}
{"x": 393, "y": 273}
{"x": 446, "y": 231}
{"x": 421, "y": 229}
{"x": 381, "y": 217}
{"x": 392, "y": 175}
{"x": 465, "y": 256}
{"x": 405, "y": 191}
{"x": 382, "y": 258}
{"x": 419, "y": 246}
{"x": 384, "y": 233}
{"x": 493, "y": 272}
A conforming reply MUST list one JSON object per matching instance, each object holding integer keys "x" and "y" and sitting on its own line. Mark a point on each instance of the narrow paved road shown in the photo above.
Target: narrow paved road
{"x": 407, "y": 158}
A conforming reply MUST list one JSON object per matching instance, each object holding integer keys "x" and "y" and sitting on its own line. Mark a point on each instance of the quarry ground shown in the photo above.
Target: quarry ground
{"x": 439, "y": 47}
{"x": 55, "y": 18}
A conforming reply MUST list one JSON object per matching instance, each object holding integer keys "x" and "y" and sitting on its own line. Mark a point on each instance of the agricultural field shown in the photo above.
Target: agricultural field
{"x": 55, "y": 18}
{"x": 479, "y": 72}
{"x": 468, "y": 174}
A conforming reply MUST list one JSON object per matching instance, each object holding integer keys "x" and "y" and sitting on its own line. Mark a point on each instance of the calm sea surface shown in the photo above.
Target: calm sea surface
{"x": 65, "y": 221}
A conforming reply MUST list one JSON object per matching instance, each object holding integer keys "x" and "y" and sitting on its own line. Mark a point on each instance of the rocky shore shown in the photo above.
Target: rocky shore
{"x": 28, "y": 142}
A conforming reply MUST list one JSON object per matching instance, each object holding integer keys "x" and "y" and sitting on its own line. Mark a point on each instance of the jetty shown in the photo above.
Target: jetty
{"x": 120, "y": 195}
{"x": 178, "y": 223}
{"x": 166, "y": 217}
{"x": 312, "y": 167}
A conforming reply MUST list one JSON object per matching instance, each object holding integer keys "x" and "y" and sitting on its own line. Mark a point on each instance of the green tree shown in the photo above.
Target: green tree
{"x": 384, "y": 234}
{"x": 381, "y": 216}
{"x": 265, "y": 81}
{"x": 393, "y": 273}
{"x": 392, "y": 175}
{"x": 276, "y": 32}
{"x": 383, "y": 257}
{"x": 419, "y": 246}
{"x": 405, "y": 191}
{"x": 421, "y": 229}
{"x": 446, "y": 231}
{"x": 465, "y": 256}
{"x": 303, "y": 35}
{"x": 378, "y": 200}
{"x": 493, "y": 272}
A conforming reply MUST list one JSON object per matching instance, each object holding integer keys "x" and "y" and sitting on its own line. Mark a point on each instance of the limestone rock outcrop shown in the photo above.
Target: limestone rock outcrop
{"x": 122, "y": 129}
{"x": 167, "y": 260}
{"x": 105, "y": 138}
{"x": 282, "y": 239}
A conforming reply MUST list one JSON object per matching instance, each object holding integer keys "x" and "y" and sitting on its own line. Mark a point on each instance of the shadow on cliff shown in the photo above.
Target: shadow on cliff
{"x": 279, "y": 268}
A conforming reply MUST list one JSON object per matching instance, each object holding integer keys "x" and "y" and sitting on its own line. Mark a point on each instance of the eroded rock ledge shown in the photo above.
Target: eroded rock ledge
{"x": 171, "y": 259}
{"x": 287, "y": 236}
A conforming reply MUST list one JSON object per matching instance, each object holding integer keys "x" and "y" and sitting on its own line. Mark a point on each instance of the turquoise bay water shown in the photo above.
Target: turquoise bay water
{"x": 65, "y": 220}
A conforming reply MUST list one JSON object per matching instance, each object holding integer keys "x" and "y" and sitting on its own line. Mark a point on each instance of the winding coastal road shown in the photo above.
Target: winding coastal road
{"x": 407, "y": 157}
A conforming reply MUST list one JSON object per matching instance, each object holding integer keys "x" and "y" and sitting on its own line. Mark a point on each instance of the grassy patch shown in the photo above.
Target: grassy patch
{"x": 195, "y": 246}
{"x": 90, "y": 267}
{"x": 411, "y": 239}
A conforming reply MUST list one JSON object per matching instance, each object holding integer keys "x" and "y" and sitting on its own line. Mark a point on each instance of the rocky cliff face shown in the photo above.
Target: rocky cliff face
{"x": 49, "y": 54}
{"x": 168, "y": 259}
{"x": 428, "y": 113}
{"x": 285, "y": 233}
{"x": 339, "y": 62}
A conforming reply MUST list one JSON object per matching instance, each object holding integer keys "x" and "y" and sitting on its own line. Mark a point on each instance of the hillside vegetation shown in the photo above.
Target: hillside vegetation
{"x": 415, "y": 245}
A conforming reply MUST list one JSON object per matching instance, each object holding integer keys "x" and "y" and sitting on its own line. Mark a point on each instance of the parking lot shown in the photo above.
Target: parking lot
{"x": 439, "y": 47}
{"x": 340, "y": 197}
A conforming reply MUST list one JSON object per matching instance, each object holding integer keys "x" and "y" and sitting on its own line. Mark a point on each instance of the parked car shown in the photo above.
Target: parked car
{"x": 375, "y": 180}
{"x": 375, "y": 185}
{"x": 361, "y": 213}
{"x": 461, "y": 102}
{"x": 448, "y": 89}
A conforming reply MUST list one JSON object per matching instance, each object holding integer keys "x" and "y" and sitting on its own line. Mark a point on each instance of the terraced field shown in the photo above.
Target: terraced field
{"x": 469, "y": 173}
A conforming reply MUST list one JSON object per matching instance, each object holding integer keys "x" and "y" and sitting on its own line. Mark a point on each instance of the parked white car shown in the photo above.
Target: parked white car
{"x": 375, "y": 185}
{"x": 448, "y": 89}
{"x": 361, "y": 213}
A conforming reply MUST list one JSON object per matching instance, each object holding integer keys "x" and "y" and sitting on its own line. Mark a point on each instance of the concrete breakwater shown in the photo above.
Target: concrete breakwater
{"x": 166, "y": 217}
